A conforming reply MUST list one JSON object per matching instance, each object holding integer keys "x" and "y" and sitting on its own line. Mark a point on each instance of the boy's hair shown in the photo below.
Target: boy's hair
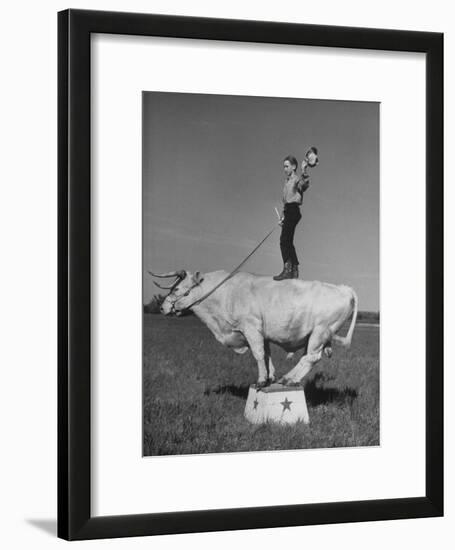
{"x": 315, "y": 151}
{"x": 292, "y": 160}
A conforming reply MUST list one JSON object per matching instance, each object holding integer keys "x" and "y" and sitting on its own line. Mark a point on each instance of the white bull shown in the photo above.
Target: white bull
{"x": 251, "y": 311}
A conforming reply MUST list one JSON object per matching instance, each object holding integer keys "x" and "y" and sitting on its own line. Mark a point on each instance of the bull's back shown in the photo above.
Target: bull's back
{"x": 293, "y": 306}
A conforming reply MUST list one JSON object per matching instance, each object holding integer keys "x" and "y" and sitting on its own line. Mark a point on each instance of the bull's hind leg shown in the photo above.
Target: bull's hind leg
{"x": 318, "y": 339}
{"x": 268, "y": 362}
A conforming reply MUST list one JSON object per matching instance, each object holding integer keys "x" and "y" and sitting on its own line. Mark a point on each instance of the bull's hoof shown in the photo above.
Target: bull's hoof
{"x": 328, "y": 351}
{"x": 288, "y": 382}
{"x": 262, "y": 384}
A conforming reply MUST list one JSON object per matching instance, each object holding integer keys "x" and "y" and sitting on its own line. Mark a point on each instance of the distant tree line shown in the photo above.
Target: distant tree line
{"x": 155, "y": 303}
{"x": 368, "y": 316}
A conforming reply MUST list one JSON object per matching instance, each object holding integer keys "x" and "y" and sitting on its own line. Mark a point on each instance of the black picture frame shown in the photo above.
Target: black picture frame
{"x": 75, "y": 521}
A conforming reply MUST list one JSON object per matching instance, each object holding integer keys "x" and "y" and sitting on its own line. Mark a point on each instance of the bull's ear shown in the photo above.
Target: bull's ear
{"x": 198, "y": 278}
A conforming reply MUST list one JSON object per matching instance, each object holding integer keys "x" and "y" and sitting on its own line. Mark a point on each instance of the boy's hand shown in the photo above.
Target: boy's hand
{"x": 304, "y": 165}
{"x": 281, "y": 220}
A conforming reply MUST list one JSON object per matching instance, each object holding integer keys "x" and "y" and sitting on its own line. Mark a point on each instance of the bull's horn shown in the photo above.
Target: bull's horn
{"x": 181, "y": 274}
{"x": 165, "y": 287}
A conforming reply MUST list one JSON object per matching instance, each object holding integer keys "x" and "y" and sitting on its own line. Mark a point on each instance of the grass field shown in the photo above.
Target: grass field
{"x": 194, "y": 394}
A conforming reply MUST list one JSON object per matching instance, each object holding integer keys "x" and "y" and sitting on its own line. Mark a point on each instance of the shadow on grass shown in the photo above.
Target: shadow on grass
{"x": 236, "y": 391}
{"x": 316, "y": 394}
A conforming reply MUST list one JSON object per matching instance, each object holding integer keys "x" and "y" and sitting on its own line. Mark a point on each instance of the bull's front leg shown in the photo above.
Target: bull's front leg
{"x": 256, "y": 343}
{"x": 268, "y": 362}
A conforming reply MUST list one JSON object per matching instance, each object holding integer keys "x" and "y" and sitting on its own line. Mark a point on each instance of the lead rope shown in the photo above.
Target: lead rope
{"x": 233, "y": 272}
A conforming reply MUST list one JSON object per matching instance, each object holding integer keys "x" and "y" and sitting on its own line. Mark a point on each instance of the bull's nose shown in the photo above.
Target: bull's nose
{"x": 161, "y": 310}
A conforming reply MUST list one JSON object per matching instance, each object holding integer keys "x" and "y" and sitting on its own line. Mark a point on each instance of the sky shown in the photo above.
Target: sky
{"x": 213, "y": 173}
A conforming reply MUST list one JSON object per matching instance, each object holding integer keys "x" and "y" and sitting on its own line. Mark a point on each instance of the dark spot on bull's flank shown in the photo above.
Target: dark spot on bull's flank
{"x": 317, "y": 394}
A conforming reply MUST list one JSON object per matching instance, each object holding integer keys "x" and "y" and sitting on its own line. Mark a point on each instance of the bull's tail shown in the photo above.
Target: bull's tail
{"x": 346, "y": 340}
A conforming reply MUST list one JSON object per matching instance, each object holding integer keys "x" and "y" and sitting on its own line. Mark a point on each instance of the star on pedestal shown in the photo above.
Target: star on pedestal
{"x": 255, "y": 404}
{"x": 286, "y": 404}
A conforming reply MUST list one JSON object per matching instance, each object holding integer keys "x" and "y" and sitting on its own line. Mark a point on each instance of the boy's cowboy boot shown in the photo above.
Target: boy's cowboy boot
{"x": 295, "y": 271}
{"x": 278, "y": 277}
{"x": 286, "y": 273}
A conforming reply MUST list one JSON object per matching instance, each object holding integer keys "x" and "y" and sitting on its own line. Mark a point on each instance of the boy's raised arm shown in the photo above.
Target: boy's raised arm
{"x": 304, "y": 180}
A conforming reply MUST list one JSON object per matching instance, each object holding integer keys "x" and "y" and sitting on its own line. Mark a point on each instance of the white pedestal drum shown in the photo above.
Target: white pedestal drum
{"x": 276, "y": 403}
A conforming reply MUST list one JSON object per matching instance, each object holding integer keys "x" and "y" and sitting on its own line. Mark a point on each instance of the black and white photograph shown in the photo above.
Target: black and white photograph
{"x": 225, "y": 240}
{"x": 261, "y": 266}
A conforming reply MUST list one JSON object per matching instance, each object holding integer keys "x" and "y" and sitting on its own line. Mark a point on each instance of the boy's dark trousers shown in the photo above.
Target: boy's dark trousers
{"x": 292, "y": 217}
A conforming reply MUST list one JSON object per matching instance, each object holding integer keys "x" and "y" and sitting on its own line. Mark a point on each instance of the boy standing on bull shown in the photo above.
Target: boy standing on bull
{"x": 293, "y": 190}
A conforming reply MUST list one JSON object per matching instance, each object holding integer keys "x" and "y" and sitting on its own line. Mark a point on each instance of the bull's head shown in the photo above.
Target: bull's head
{"x": 182, "y": 291}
